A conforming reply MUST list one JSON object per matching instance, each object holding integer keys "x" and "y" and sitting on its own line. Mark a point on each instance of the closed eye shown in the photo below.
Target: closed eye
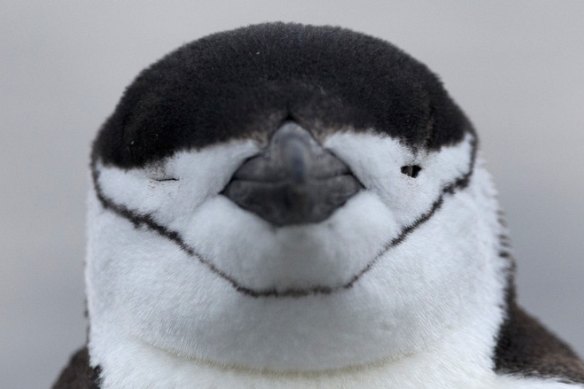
{"x": 165, "y": 179}
{"x": 411, "y": 170}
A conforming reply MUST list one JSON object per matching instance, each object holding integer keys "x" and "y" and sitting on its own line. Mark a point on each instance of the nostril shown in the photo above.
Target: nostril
{"x": 286, "y": 119}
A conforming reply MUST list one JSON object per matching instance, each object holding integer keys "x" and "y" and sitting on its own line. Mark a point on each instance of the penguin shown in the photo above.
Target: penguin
{"x": 295, "y": 206}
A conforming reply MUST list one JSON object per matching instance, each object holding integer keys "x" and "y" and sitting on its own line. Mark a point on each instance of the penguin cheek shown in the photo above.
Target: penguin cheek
{"x": 170, "y": 191}
{"x": 379, "y": 161}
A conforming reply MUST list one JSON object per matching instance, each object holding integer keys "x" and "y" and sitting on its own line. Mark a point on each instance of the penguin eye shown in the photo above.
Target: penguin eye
{"x": 411, "y": 170}
{"x": 159, "y": 173}
{"x": 161, "y": 177}
{"x": 165, "y": 179}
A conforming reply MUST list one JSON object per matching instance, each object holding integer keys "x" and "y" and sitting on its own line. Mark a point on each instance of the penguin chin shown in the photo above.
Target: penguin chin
{"x": 293, "y": 260}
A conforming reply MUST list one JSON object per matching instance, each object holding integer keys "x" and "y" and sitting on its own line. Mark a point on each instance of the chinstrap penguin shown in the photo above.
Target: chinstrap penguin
{"x": 289, "y": 206}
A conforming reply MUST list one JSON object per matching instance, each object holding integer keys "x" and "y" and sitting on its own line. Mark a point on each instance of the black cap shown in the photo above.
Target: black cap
{"x": 245, "y": 82}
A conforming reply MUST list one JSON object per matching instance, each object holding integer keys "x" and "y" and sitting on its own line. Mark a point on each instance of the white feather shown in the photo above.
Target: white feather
{"x": 423, "y": 315}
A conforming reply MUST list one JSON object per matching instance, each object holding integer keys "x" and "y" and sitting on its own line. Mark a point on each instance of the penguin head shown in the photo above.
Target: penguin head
{"x": 289, "y": 197}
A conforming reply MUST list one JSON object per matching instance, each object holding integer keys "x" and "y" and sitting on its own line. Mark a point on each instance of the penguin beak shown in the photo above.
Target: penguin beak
{"x": 293, "y": 181}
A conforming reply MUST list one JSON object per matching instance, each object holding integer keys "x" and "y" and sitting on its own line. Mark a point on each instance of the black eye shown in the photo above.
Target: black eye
{"x": 411, "y": 170}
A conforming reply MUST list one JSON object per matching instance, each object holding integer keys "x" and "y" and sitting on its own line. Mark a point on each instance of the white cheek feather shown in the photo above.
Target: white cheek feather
{"x": 378, "y": 163}
{"x": 163, "y": 317}
{"x": 199, "y": 175}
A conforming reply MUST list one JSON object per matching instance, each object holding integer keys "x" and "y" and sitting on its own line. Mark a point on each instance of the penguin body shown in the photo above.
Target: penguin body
{"x": 288, "y": 206}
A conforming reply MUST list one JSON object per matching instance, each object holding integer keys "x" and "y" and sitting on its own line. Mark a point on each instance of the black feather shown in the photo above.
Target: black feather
{"x": 247, "y": 81}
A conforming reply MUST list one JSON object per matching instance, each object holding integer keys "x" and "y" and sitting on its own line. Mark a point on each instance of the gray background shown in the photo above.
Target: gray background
{"x": 517, "y": 68}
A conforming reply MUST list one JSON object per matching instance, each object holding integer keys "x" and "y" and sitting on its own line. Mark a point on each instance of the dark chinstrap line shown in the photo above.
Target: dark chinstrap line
{"x": 139, "y": 220}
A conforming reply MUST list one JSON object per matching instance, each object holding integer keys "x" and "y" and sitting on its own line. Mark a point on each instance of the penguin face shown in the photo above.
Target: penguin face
{"x": 288, "y": 213}
{"x": 183, "y": 198}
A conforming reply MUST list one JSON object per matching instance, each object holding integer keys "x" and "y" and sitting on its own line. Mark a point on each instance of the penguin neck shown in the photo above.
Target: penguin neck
{"x": 463, "y": 358}
{"x": 460, "y": 360}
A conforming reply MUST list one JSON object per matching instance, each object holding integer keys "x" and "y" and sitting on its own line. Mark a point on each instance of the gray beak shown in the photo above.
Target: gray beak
{"x": 293, "y": 181}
